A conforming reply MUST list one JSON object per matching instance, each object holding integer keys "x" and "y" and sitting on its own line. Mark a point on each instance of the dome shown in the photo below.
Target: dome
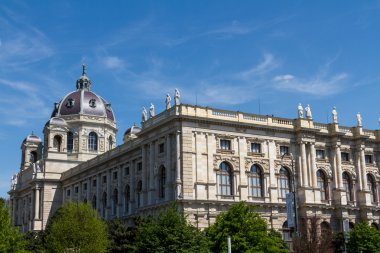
{"x": 131, "y": 133}
{"x": 83, "y": 101}
{"x": 57, "y": 121}
{"x": 32, "y": 138}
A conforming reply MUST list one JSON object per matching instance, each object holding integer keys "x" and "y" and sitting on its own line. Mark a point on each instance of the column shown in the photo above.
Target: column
{"x": 133, "y": 185}
{"x": 109, "y": 194}
{"x": 88, "y": 191}
{"x": 151, "y": 174}
{"x": 358, "y": 170}
{"x": 363, "y": 169}
{"x": 80, "y": 194}
{"x": 178, "y": 166}
{"x": 211, "y": 178}
{"x": 145, "y": 176}
{"x": 339, "y": 166}
{"x": 37, "y": 203}
{"x": 169, "y": 182}
{"x": 98, "y": 192}
{"x": 313, "y": 165}
{"x": 119, "y": 192}
{"x": 304, "y": 165}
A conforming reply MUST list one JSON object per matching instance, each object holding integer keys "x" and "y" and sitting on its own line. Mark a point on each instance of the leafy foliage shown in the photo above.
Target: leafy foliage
{"x": 120, "y": 236}
{"x": 364, "y": 238}
{"x": 11, "y": 239}
{"x": 170, "y": 232}
{"x": 76, "y": 227}
{"x": 248, "y": 232}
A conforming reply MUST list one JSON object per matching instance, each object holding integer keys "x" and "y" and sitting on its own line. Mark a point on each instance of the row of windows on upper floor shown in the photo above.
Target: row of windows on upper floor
{"x": 256, "y": 183}
{"x": 284, "y": 150}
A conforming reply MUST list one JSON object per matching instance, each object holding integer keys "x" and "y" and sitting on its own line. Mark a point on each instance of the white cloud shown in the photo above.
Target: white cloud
{"x": 319, "y": 86}
{"x": 113, "y": 62}
{"x": 268, "y": 64}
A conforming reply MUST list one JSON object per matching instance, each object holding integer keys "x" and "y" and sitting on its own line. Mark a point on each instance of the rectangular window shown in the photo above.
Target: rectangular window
{"x": 94, "y": 183}
{"x": 115, "y": 175}
{"x": 104, "y": 179}
{"x": 161, "y": 148}
{"x": 345, "y": 156}
{"x": 139, "y": 166}
{"x": 320, "y": 154}
{"x": 126, "y": 171}
{"x": 68, "y": 193}
{"x": 255, "y": 147}
{"x": 85, "y": 186}
{"x": 284, "y": 150}
{"x": 76, "y": 189}
{"x": 225, "y": 144}
{"x": 368, "y": 159}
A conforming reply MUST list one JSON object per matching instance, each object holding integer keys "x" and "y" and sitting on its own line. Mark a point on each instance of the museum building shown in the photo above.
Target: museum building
{"x": 203, "y": 158}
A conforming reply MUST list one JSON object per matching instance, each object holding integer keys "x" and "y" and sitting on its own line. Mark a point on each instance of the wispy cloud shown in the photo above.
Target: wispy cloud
{"x": 268, "y": 64}
{"x": 113, "y": 63}
{"x": 21, "y": 43}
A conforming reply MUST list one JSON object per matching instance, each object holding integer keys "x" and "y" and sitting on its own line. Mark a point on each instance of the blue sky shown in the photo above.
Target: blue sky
{"x": 226, "y": 54}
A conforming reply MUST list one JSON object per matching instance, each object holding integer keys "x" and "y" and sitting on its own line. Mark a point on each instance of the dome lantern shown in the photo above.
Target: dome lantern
{"x": 84, "y": 83}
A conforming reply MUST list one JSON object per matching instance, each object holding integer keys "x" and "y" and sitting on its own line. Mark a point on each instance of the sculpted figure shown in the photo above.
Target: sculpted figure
{"x": 168, "y": 101}
{"x": 308, "y": 112}
{"x": 300, "y": 111}
{"x": 144, "y": 115}
{"x": 334, "y": 115}
{"x": 359, "y": 119}
{"x": 151, "y": 111}
{"x": 177, "y": 96}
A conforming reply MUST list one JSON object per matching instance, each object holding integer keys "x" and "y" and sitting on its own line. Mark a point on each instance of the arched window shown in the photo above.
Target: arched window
{"x": 104, "y": 203}
{"x": 139, "y": 193}
{"x": 115, "y": 201}
{"x": 57, "y": 143}
{"x": 110, "y": 143}
{"x": 325, "y": 228}
{"x": 33, "y": 156}
{"x": 94, "y": 202}
{"x": 286, "y": 233}
{"x": 347, "y": 185}
{"x": 127, "y": 199}
{"x": 92, "y": 141}
{"x": 161, "y": 182}
{"x": 70, "y": 141}
{"x": 225, "y": 179}
{"x": 283, "y": 181}
{"x": 371, "y": 185}
{"x": 322, "y": 184}
{"x": 255, "y": 181}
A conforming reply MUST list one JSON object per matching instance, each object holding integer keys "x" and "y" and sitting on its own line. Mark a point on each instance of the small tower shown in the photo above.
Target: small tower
{"x": 31, "y": 151}
{"x": 84, "y": 83}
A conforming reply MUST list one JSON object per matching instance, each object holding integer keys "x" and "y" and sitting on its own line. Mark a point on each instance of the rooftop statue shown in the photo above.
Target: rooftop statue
{"x": 151, "y": 111}
{"x": 359, "y": 119}
{"x": 334, "y": 115}
{"x": 168, "y": 101}
{"x": 144, "y": 115}
{"x": 300, "y": 111}
{"x": 177, "y": 96}
{"x": 308, "y": 112}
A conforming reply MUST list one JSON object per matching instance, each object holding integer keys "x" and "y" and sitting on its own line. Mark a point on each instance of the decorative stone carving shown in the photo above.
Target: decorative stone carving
{"x": 326, "y": 169}
{"x": 308, "y": 112}
{"x": 233, "y": 160}
{"x": 358, "y": 119}
{"x": 350, "y": 170}
{"x": 300, "y": 111}
{"x": 168, "y": 101}
{"x": 177, "y": 97}
{"x": 334, "y": 115}
{"x": 144, "y": 116}
{"x": 251, "y": 161}
{"x": 151, "y": 111}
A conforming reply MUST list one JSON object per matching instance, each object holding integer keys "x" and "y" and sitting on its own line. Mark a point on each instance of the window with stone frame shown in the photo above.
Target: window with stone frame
{"x": 255, "y": 147}
{"x": 255, "y": 182}
{"x": 70, "y": 141}
{"x": 283, "y": 183}
{"x": 127, "y": 198}
{"x": 161, "y": 182}
{"x": 320, "y": 154}
{"x": 345, "y": 156}
{"x": 161, "y": 148}
{"x": 284, "y": 150}
{"x": 347, "y": 185}
{"x": 225, "y": 144}
{"x": 371, "y": 186}
{"x": 368, "y": 159}
{"x": 92, "y": 141}
{"x": 322, "y": 185}
{"x": 225, "y": 179}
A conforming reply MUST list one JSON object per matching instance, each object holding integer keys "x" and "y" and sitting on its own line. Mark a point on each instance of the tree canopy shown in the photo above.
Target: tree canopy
{"x": 11, "y": 239}
{"x": 248, "y": 232}
{"x": 76, "y": 227}
{"x": 364, "y": 238}
{"x": 170, "y": 232}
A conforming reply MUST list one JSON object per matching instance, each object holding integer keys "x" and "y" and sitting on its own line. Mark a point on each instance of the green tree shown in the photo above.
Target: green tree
{"x": 248, "y": 232}
{"x": 121, "y": 237}
{"x": 364, "y": 238}
{"x": 76, "y": 227}
{"x": 170, "y": 232}
{"x": 11, "y": 240}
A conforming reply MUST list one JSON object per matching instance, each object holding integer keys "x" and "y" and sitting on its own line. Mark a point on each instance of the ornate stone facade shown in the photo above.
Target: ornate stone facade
{"x": 205, "y": 159}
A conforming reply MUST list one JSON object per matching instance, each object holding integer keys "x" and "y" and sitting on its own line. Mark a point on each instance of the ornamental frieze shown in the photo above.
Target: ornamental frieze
{"x": 350, "y": 170}
{"x": 233, "y": 160}
{"x": 251, "y": 161}
{"x": 326, "y": 168}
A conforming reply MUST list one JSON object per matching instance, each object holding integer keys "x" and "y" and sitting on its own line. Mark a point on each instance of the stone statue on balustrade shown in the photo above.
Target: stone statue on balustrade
{"x": 308, "y": 112}
{"x": 144, "y": 115}
{"x": 176, "y": 98}
{"x": 359, "y": 119}
{"x": 334, "y": 115}
{"x": 151, "y": 111}
{"x": 168, "y": 101}
{"x": 300, "y": 111}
